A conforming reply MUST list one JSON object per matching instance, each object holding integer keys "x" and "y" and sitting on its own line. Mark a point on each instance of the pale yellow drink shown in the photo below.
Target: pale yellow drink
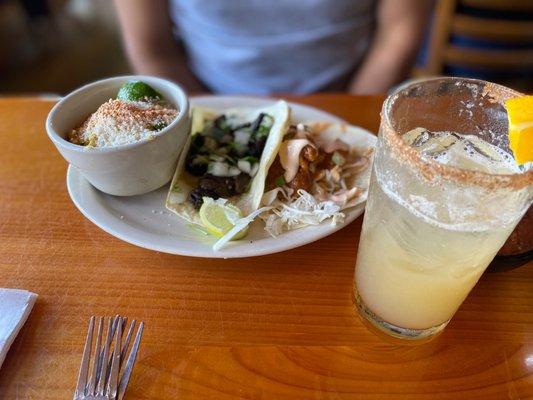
{"x": 442, "y": 201}
{"x": 414, "y": 270}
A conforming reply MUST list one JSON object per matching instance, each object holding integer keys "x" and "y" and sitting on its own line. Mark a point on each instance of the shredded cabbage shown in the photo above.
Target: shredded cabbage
{"x": 304, "y": 210}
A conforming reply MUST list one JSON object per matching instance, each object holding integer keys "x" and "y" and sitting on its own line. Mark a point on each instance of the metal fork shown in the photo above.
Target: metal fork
{"x": 110, "y": 375}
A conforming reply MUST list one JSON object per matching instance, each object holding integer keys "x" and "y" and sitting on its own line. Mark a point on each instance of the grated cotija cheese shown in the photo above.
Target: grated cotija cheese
{"x": 119, "y": 122}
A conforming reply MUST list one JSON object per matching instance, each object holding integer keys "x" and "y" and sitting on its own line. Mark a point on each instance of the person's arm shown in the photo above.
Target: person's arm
{"x": 149, "y": 42}
{"x": 399, "y": 32}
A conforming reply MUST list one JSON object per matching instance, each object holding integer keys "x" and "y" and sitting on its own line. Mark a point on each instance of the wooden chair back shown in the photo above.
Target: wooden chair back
{"x": 448, "y": 23}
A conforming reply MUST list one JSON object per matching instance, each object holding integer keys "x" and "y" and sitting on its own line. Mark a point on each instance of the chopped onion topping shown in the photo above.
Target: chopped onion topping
{"x": 254, "y": 169}
{"x": 233, "y": 171}
{"x": 244, "y": 166}
{"x": 242, "y": 137}
{"x": 218, "y": 168}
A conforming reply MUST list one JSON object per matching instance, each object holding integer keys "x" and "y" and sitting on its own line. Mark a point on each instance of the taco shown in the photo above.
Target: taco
{"x": 320, "y": 169}
{"x": 227, "y": 156}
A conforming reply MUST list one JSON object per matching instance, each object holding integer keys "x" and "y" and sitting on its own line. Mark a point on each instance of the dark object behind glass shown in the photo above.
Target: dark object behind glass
{"x": 518, "y": 249}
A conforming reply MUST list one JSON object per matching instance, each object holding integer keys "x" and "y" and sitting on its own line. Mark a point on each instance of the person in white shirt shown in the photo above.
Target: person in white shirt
{"x": 277, "y": 46}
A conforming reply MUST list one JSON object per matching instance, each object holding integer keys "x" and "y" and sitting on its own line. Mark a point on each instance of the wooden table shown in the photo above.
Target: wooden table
{"x": 274, "y": 327}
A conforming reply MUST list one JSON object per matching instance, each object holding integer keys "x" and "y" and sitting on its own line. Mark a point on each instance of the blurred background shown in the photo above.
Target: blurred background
{"x": 54, "y": 46}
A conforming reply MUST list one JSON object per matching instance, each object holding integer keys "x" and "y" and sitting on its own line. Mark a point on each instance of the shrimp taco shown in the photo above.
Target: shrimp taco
{"x": 227, "y": 157}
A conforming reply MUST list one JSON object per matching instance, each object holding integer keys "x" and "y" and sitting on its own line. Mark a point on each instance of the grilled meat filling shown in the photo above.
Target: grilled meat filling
{"x": 218, "y": 186}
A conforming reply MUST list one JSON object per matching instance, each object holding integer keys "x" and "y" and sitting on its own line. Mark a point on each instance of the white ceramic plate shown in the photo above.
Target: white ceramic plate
{"x": 144, "y": 221}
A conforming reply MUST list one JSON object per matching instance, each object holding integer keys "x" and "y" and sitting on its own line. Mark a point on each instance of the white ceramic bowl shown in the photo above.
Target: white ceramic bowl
{"x": 129, "y": 169}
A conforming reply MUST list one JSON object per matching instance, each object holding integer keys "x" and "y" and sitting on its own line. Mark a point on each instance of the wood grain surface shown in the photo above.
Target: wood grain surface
{"x": 274, "y": 327}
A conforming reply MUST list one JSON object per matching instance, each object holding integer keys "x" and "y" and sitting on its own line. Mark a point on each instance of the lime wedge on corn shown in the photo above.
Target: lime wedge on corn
{"x": 219, "y": 216}
{"x": 520, "y": 115}
{"x": 137, "y": 91}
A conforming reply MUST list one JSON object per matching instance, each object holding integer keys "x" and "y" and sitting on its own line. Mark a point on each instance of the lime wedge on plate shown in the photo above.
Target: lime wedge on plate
{"x": 137, "y": 91}
{"x": 219, "y": 216}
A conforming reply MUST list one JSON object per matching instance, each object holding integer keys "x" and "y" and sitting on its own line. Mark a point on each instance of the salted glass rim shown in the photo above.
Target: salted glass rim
{"x": 431, "y": 169}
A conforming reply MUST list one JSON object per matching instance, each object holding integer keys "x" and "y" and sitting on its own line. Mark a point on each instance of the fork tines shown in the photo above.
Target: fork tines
{"x": 112, "y": 360}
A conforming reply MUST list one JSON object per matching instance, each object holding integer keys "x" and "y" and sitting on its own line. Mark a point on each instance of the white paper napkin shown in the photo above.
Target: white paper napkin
{"x": 15, "y": 306}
